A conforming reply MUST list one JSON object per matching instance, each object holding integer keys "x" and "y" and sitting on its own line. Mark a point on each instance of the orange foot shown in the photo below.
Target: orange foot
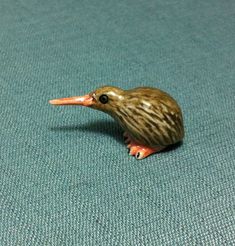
{"x": 138, "y": 150}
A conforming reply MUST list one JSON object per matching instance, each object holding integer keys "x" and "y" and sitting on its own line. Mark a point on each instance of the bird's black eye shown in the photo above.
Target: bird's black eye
{"x": 103, "y": 99}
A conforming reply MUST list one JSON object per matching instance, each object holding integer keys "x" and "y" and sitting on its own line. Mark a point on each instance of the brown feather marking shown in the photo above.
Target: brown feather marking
{"x": 131, "y": 126}
{"x": 159, "y": 134}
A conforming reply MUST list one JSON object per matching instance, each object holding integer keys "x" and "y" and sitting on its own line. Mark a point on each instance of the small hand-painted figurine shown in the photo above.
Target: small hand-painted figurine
{"x": 151, "y": 119}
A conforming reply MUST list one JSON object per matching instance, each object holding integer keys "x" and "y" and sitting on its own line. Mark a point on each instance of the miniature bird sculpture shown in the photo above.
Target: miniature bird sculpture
{"x": 151, "y": 119}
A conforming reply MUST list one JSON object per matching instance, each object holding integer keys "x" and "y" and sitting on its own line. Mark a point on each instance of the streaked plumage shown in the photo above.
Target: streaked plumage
{"x": 150, "y": 117}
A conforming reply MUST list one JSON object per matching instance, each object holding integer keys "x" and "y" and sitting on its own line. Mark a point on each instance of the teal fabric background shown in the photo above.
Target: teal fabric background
{"x": 65, "y": 175}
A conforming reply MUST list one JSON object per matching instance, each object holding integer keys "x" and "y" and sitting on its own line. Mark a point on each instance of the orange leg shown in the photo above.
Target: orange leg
{"x": 138, "y": 150}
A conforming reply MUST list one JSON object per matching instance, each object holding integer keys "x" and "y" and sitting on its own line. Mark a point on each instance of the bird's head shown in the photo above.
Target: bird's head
{"x": 106, "y": 99}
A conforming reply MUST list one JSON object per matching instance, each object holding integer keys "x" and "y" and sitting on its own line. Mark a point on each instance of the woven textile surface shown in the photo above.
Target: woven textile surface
{"x": 65, "y": 175}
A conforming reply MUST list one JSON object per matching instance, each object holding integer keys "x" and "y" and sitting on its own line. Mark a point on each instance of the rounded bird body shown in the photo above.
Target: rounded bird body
{"x": 151, "y": 118}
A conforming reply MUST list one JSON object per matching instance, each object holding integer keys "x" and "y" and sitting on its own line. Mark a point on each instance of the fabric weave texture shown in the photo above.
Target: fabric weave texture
{"x": 65, "y": 175}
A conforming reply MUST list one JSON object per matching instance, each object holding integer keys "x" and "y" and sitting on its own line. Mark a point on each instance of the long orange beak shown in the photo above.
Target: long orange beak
{"x": 86, "y": 100}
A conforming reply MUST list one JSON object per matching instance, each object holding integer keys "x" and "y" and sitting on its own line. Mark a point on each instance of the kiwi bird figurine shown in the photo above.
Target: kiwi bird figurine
{"x": 151, "y": 119}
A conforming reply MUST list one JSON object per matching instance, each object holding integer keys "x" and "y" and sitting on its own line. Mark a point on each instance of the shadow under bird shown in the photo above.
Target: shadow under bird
{"x": 151, "y": 119}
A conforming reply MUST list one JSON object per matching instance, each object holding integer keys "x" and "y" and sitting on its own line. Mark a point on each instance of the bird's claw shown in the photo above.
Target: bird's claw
{"x": 137, "y": 150}
{"x": 140, "y": 152}
{"x": 134, "y": 149}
